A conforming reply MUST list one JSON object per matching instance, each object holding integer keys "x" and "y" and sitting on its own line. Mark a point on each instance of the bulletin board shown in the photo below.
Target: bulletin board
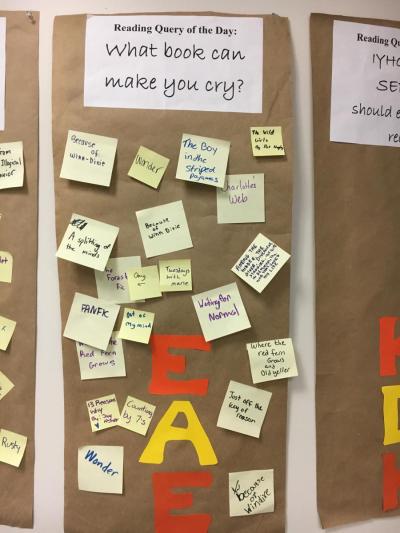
{"x": 216, "y": 247}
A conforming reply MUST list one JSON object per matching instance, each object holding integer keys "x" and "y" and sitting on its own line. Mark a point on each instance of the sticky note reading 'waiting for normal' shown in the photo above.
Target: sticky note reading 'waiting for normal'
{"x": 87, "y": 242}
{"x": 97, "y": 364}
{"x": 101, "y": 469}
{"x": 243, "y": 409}
{"x": 88, "y": 158}
{"x": 91, "y": 321}
{"x": 220, "y": 312}
{"x": 241, "y": 200}
{"x": 164, "y": 229}
{"x": 203, "y": 160}
{"x": 260, "y": 263}
{"x": 144, "y": 283}
{"x": 5, "y": 385}
{"x": 103, "y": 412}
{"x": 7, "y": 328}
{"x": 267, "y": 141}
{"x": 136, "y": 325}
{"x": 136, "y": 415}
{"x": 112, "y": 283}
{"x": 148, "y": 167}
{"x": 12, "y": 447}
{"x": 175, "y": 275}
{"x": 11, "y": 165}
{"x": 6, "y": 266}
{"x": 270, "y": 360}
{"x": 251, "y": 492}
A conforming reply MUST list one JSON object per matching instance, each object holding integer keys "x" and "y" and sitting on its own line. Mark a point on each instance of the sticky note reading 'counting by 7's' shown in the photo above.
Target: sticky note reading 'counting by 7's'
{"x": 6, "y": 266}
{"x": 7, "y": 328}
{"x": 101, "y": 469}
{"x": 267, "y": 141}
{"x": 136, "y": 415}
{"x": 136, "y": 325}
{"x": 12, "y": 447}
{"x": 12, "y": 165}
{"x": 148, "y": 167}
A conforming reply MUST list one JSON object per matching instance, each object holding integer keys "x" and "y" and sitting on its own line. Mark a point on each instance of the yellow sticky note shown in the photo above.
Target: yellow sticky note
{"x": 272, "y": 359}
{"x": 144, "y": 283}
{"x": 12, "y": 165}
{"x": 7, "y": 328}
{"x": 101, "y": 469}
{"x": 6, "y": 266}
{"x": 12, "y": 447}
{"x": 136, "y": 415}
{"x": 267, "y": 140}
{"x": 88, "y": 158}
{"x": 103, "y": 412}
{"x": 5, "y": 385}
{"x": 175, "y": 275}
{"x": 136, "y": 325}
{"x": 251, "y": 492}
{"x": 97, "y": 364}
{"x": 112, "y": 283}
{"x": 148, "y": 167}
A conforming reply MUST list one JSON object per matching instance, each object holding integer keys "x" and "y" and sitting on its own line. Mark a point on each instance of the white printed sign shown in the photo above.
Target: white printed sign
{"x": 174, "y": 62}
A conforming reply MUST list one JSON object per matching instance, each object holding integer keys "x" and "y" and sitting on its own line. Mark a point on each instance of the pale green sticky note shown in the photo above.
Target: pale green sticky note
{"x": 241, "y": 200}
{"x": 103, "y": 412}
{"x": 88, "y": 158}
{"x": 112, "y": 283}
{"x": 148, "y": 167}
{"x": 251, "y": 492}
{"x": 5, "y": 385}
{"x": 87, "y": 242}
{"x": 267, "y": 141}
{"x": 136, "y": 415}
{"x": 101, "y": 469}
{"x": 7, "y": 328}
{"x": 91, "y": 321}
{"x": 12, "y": 447}
{"x": 136, "y": 325}
{"x": 203, "y": 160}
{"x": 175, "y": 275}
{"x": 12, "y": 165}
{"x": 6, "y": 266}
{"x": 272, "y": 359}
{"x": 97, "y": 364}
{"x": 144, "y": 283}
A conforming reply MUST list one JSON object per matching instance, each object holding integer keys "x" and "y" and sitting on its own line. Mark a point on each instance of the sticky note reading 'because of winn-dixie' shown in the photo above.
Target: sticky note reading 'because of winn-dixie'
{"x": 175, "y": 275}
{"x": 243, "y": 409}
{"x": 272, "y": 359}
{"x": 203, "y": 160}
{"x": 267, "y": 141}
{"x": 260, "y": 263}
{"x": 103, "y": 412}
{"x": 7, "y": 328}
{"x": 87, "y": 242}
{"x": 88, "y": 158}
{"x": 97, "y": 364}
{"x": 164, "y": 229}
{"x": 136, "y": 415}
{"x": 220, "y": 312}
{"x": 91, "y": 321}
{"x": 12, "y": 447}
{"x": 112, "y": 283}
{"x": 251, "y": 492}
{"x": 148, "y": 167}
{"x": 11, "y": 165}
{"x": 6, "y": 266}
{"x": 144, "y": 283}
{"x": 136, "y": 325}
{"x": 101, "y": 469}
{"x": 5, "y": 385}
{"x": 242, "y": 199}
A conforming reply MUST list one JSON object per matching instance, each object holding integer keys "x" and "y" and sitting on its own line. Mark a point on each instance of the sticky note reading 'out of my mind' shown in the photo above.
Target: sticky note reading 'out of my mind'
{"x": 7, "y": 328}
{"x": 88, "y": 158}
{"x": 112, "y": 283}
{"x": 267, "y": 141}
{"x": 87, "y": 242}
{"x": 251, "y": 492}
{"x": 11, "y": 165}
{"x": 5, "y": 385}
{"x": 136, "y": 415}
{"x": 144, "y": 283}
{"x": 103, "y": 412}
{"x": 148, "y": 167}
{"x": 97, "y": 364}
{"x": 6, "y": 266}
{"x": 203, "y": 160}
{"x": 220, "y": 312}
{"x": 260, "y": 263}
{"x": 175, "y": 275}
{"x": 12, "y": 447}
{"x": 270, "y": 360}
{"x": 136, "y": 325}
{"x": 101, "y": 469}
{"x": 242, "y": 199}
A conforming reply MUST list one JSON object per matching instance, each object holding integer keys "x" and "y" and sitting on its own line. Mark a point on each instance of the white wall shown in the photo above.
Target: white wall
{"x": 301, "y": 487}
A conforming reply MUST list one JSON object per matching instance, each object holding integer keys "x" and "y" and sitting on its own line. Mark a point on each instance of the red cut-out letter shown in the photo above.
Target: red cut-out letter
{"x": 389, "y": 345}
{"x": 166, "y": 501}
{"x": 391, "y": 482}
{"x": 164, "y": 362}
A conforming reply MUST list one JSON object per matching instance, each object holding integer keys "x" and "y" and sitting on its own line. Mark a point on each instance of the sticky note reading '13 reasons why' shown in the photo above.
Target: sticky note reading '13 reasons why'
{"x": 220, "y": 312}
{"x": 7, "y": 328}
{"x": 273, "y": 359}
{"x": 101, "y": 469}
{"x": 12, "y": 447}
{"x": 88, "y": 158}
{"x": 243, "y": 409}
{"x": 164, "y": 229}
{"x": 136, "y": 325}
{"x": 112, "y": 283}
{"x": 260, "y": 263}
{"x": 5, "y": 385}
{"x": 91, "y": 321}
{"x": 242, "y": 199}
{"x": 175, "y": 275}
{"x": 87, "y": 242}
{"x": 97, "y": 364}
{"x": 6, "y": 266}
{"x": 144, "y": 283}
{"x": 267, "y": 141}
{"x": 103, "y": 412}
{"x": 136, "y": 415}
{"x": 203, "y": 160}
{"x": 11, "y": 165}
{"x": 148, "y": 167}
{"x": 251, "y": 492}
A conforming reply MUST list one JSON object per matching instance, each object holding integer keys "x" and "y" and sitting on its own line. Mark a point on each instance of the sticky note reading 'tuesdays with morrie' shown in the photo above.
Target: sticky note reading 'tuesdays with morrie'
{"x": 97, "y": 364}
{"x": 148, "y": 167}
{"x": 6, "y": 266}
{"x": 272, "y": 359}
{"x": 251, "y": 492}
{"x": 12, "y": 447}
{"x": 7, "y": 328}
{"x": 87, "y": 242}
{"x": 101, "y": 469}
{"x": 12, "y": 165}
{"x": 241, "y": 200}
{"x": 267, "y": 141}
{"x": 112, "y": 283}
{"x": 175, "y": 275}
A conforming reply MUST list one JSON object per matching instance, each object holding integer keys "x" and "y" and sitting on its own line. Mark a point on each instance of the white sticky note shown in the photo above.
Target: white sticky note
{"x": 2, "y": 71}
{"x": 164, "y": 229}
{"x": 91, "y": 321}
{"x": 6, "y": 267}
{"x": 136, "y": 325}
{"x": 11, "y": 165}
{"x": 260, "y": 262}
{"x": 7, "y": 328}
{"x": 272, "y": 359}
{"x": 101, "y": 469}
{"x": 136, "y": 415}
{"x": 220, "y": 312}
{"x": 243, "y": 409}
{"x": 251, "y": 492}
{"x": 12, "y": 447}
{"x": 175, "y": 275}
{"x": 97, "y": 364}
{"x": 5, "y": 385}
{"x": 103, "y": 412}
{"x": 241, "y": 200}
{"x": 112, "y": 283}
{"x": 88, "y": 242}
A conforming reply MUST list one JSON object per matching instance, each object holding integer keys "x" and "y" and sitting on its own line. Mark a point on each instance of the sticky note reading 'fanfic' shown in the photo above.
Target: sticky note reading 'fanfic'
{"x": 267, "y": 141}
{"x": 136, "y": 415}
{"x": 112, "y": 283}
{"x": 273, "y": 359}
{"x": 144, "y": 283}
{"x": 6, "y": 266}
{"x": 11, "y": 165}
{"x": 203, "y": 160}
{"x": 12, "y": 447}
{"x": 136, "y": 325}
{"x": 7, "y": 328}
{"x": 251, "y": 492}
{"x": 97, "y": 364}
{"x": 103, "y": 412}
{"x": 164, "y": 229}
{"x": 101, "y": 469}
{"x": 175, "y": 275}
{"x": 91, "y": 321}
{"x": 241, "y": 200}
{"x": 148, "y": 167}
{"x": 88, "y": 158}
{"x": 87, "y": 242}
{"x": 5, "y": 385}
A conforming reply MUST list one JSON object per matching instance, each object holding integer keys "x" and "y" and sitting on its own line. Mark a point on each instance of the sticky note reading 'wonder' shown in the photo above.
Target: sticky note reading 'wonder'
{"x": 97, "y": 364}
{"x": 267, "y": 141}
{"x": 112, "y": 283}
{"x": 241, "y": 200}
{"x": 6, "y": 266}
{"x": 270, "y": 360}
{"x": 7, "y": 328}
{"x": 101, "y": 469}
{"x": 11, "y": 165}
{"x": 103, "y": 412}
{"x": 251, "y": 492}
{"x": 136, "y": 415}
{"x": 136, "y": 325}
{"x": 144, "y": 283}
{"x": 148, "y": 167}
{"x": 5, "y": 385}
{"x": 12, "y": 447}
{"x": 88, "y": 158}
{"x": 87, "y": 242}
{"x": 175, "y": 275}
